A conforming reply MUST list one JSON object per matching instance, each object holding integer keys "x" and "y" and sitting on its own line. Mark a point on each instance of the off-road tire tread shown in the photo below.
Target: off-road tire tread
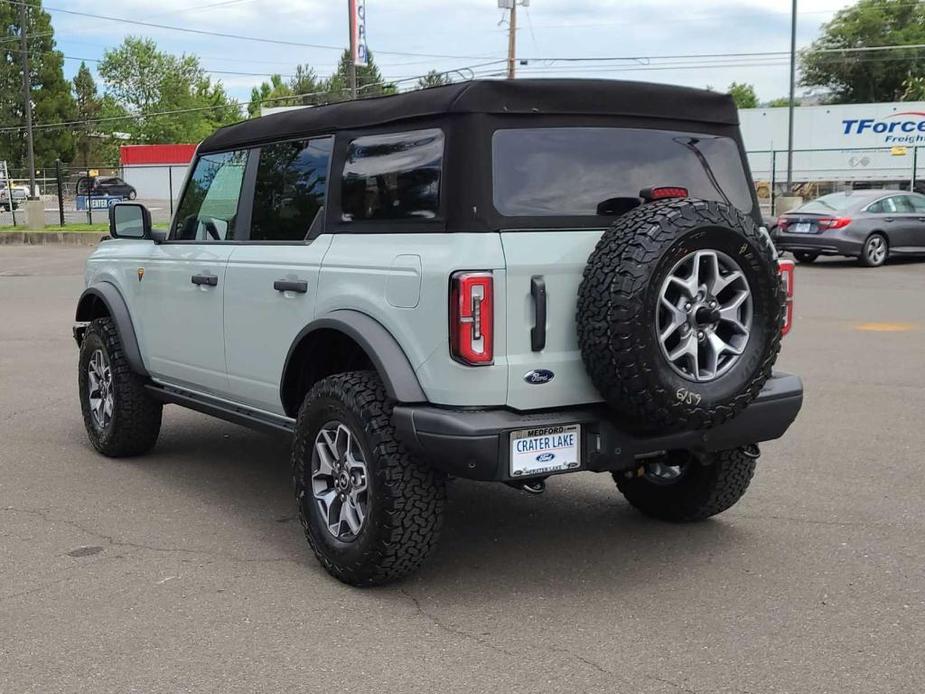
{"x": 706, "y": 490}
{"x": 415, "y": 493}
{"x": 612, "y": 308}
{"x": 136, "y": 419}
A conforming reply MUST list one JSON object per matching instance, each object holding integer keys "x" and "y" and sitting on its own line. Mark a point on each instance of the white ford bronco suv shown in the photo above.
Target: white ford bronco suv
{"x": 489, "y": 280}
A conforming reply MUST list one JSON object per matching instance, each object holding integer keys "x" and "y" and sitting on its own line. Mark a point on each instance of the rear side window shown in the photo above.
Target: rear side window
{"x": 393, "y": 176}
{"x": 918, "y": 202}
{"x": 569, "y": 172}
{"x": 292, "y": 179}
{"x": 209, "y": 208}
{"x": 902, "y": 204}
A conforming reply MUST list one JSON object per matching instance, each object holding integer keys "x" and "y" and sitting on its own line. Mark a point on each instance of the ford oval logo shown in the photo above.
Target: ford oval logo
{"x": 545, "y": 457}
{"x": 538, "y": 377}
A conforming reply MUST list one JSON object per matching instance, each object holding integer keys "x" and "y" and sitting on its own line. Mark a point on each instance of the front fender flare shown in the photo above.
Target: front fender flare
{"x": 111, "y": 297}
{"x": 383, "y": 350}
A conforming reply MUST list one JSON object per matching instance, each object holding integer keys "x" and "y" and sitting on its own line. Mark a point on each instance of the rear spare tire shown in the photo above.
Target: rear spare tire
{"x": 679, "y": 314}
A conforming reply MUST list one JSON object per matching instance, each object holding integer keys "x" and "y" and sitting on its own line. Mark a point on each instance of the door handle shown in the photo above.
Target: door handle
{"x": 538, "y": 331}
{"x": 888, "y": 219}
{"x": 207, "y": 280}
{"x": 297, "y": 286}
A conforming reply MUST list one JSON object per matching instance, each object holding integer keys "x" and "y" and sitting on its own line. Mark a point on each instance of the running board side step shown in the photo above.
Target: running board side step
{"x": 236, "y": 414}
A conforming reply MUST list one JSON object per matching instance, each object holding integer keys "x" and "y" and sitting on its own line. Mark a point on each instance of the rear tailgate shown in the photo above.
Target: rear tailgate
{"x": 559, "y": 260}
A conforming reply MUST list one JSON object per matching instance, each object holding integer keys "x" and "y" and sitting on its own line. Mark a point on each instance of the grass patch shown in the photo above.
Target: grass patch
{"x": 87, "y": 228}
{"x": 54, "y": 229}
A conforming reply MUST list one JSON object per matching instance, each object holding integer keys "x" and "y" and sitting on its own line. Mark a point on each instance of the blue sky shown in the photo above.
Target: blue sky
{"x": 470, "y": 31}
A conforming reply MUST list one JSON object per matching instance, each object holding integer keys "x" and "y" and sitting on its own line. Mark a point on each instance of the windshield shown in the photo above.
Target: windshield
{"x": 834, "y": 202}
{"x": 539, "y": 172}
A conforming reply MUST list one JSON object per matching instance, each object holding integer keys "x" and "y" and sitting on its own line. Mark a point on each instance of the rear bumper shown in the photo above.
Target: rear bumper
{"x": 828, "y": 243}
{"x": 475, "y": 444}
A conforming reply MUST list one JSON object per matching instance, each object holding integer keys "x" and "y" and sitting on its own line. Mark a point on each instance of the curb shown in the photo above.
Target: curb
{"x": 48, "y": 238}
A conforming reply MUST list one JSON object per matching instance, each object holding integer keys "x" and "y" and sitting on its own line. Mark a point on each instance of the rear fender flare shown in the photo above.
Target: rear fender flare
{"x": 383, "y": 350}
{"x": 110, "y": 296}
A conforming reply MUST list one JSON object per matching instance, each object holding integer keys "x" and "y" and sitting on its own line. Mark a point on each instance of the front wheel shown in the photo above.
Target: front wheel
{"x": 132, "y": 195}
{"x": 875, "y": 251}
{"x": 120, "y": 417}
{"x": 681, "y": 487}
{"x": 371, "y": 512}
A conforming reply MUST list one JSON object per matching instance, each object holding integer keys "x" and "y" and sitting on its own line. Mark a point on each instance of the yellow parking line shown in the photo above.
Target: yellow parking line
{"x": 886, "y": 327}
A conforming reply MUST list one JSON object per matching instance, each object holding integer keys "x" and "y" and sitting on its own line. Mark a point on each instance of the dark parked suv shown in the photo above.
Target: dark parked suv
{"x": 113, "y": 186}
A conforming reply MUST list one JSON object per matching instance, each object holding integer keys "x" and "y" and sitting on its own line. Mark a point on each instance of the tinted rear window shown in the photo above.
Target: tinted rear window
{"x": 570, "y": 172}
{"x": 393, "y": 176}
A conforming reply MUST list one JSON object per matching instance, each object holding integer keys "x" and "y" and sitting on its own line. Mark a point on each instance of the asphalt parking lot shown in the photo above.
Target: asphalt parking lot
{"x": 186, "y": 570}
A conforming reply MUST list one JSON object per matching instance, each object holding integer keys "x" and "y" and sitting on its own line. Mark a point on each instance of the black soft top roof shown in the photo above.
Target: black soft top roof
{"x": 527, "y": 96}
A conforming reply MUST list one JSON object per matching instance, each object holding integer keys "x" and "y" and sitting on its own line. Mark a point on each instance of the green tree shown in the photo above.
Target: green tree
{"x": 743, "y": 94}
{"x": 782, "y": 102}
{"x": 304, "y": 87}
{"x": 369, "y": 80}
{"x": 858, "y": 77}
{"x": 145, "y": 80}
{"x": 88, "y": 110}
{"x": 51, "y": 93}
{"x": 433, "y": 79}
{"x": 272, "y": 93}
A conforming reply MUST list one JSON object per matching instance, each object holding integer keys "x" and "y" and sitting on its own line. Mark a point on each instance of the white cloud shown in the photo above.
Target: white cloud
{"x": 463, "y": 28}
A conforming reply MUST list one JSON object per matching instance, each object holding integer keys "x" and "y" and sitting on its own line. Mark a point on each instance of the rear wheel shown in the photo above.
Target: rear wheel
{"x": 371, "y": 513}
{"x": 875, "y": 252}
{"x": 681, "y": 487}
{"x": 805, "y": 256}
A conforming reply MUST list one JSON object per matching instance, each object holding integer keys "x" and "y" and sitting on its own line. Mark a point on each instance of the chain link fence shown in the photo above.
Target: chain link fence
{"x": 821, "y": 171}
{"x": 76, "y": 194}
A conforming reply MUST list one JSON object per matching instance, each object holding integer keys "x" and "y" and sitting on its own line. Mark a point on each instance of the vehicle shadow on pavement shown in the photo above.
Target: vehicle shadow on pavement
{"x": 579, "y": 535}
{"x": 838, "y": 263}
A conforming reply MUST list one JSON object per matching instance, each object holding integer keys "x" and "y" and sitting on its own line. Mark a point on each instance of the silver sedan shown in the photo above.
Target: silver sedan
{"x": 870, "y": 225}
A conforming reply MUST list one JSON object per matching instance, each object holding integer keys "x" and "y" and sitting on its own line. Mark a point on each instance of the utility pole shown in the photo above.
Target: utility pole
{"x": 793, "y": 73}
{"x": 512, "y": 42}
{"x": 27, "y": 98}
{"x": 354, "y": 47}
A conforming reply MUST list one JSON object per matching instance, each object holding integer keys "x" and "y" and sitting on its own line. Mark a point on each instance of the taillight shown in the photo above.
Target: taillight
{"x": 472, "y": 318}
{"x": 786, "y": 278}
{"x": 827, "y": 223}
{"x": 663, "y": 193}
{"x": 782, "y": 223}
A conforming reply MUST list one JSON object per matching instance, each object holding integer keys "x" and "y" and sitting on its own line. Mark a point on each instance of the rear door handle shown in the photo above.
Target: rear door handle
{"x": 297, "y": 286}
{"x": 538, "y": 332}
{"x": 888, "y": 219}
{"x": 208, "y": 280}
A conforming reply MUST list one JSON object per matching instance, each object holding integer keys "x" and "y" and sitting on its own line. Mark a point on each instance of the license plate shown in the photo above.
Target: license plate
{"x": 802, "y": 228}
{"x": 545, "y": 450}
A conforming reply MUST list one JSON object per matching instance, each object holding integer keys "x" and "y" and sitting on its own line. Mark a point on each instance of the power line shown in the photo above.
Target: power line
{"x": 238, "y": 103}
{"x": 239, "y": 37}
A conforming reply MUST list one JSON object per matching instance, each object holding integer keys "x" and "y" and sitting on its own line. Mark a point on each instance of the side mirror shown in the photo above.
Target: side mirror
{"x": 129, "y": 220}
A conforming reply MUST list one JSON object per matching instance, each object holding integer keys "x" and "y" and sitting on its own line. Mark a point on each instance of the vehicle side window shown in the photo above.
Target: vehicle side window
{"x": 917, "y": 202}
{"x": 876, "y": 208}
{"x": 209, "y": 206}
{"x": 393, "y": 176}
{"x": 292, "y": 179}
{"x": 902, "y": 204}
